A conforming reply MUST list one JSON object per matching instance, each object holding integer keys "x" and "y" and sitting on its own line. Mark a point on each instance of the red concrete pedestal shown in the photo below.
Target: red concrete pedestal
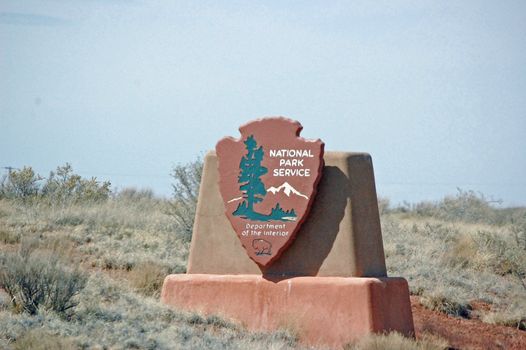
{"x": 329, "y": 311}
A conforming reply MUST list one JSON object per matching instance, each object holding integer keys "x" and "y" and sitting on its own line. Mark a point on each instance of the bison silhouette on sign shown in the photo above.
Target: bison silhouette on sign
{"x": 262, "y": 247}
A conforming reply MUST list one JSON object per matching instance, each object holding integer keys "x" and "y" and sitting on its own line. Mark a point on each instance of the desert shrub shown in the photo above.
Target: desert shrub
{"x": 505, "y": 319}
{"x": 489, "y": 251}
{"x": 63, "y": 187}
{"x": 20, "y": 184}
{"x": 37, "y": 339}
{"x": 8, "y": 236}
{"x": 185, "y": 192}
{"x": 396, "y": 341}
{"x": 34, "y": 279}
{"x": 498, "y": 253}
{"x": 133, "y": 194}
{"x": 384, "y": 205}
{"x": 446, "y": 305}
{"x": 467, "y": 206}
{"x": 518, "y": 231}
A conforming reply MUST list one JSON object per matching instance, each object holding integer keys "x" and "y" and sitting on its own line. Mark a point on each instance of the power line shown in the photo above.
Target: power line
{"x": 382, "y": 183}
{"x": 124, "y": 175}
{"x": 452, "y": 183}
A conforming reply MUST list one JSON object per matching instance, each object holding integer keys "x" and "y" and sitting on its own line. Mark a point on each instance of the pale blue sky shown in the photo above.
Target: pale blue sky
{"x": 123, "y": 90}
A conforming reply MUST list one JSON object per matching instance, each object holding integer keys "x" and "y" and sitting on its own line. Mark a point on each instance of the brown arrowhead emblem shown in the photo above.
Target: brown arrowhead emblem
{"x": 268, "y": 180}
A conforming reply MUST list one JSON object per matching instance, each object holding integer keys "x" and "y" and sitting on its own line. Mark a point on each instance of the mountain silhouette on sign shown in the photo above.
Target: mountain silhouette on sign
{"x": 287, "y": 189}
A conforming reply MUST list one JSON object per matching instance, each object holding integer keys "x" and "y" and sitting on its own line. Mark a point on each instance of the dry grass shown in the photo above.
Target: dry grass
{"x": 128, "y": 243}
{"x": 510, "y": 318}
{"x": 395, "y": 341}
{"x": 117, "y": 234}
{"x": 147, "y": 278}
{"x": 37, "y": 339}
{"x": 110, "y": 315}
{"x": 453, "y": 258}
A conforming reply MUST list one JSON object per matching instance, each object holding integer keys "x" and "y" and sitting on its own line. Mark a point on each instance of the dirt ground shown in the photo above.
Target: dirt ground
{"x": 466, "y": 333}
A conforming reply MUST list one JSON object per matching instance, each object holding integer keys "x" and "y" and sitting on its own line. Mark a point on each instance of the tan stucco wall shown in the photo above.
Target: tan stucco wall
{"x": 341, "y": 236}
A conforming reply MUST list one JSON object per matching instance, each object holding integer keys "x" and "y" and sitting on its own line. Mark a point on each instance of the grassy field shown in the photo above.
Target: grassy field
{"x": 81, "y": 267}
{"x": 123, "y": 248}
{"x": 458, "y": 252}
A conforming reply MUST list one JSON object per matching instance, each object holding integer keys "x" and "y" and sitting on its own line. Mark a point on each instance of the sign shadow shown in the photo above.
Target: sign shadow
{"x": 316, "y": 237}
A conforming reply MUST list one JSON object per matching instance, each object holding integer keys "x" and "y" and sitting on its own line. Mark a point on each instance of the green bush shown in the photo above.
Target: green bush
{"x": 133, "y": 195}
{"x": 505, "y": 319}
{"x": 490, "y": 251}
{"x": 384, "y": 205}
{"x": 20, "y": 184}
{"x": 64, "y": 187}
{"x": 445, "y": 305}
{"x": 465, "y": 206}
{"x": 34, "y": 280}
{"x": 185, "y": 192}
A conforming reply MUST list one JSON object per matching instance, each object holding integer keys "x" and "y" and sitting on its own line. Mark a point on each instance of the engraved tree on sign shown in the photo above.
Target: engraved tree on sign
{"x": 253, "y": 188}
{"x": 251, "y": 171}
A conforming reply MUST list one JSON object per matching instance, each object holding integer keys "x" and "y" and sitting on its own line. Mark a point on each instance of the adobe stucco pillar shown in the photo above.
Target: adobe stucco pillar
{"x": 340, "y": 237}
{"x": 330, "y": 285}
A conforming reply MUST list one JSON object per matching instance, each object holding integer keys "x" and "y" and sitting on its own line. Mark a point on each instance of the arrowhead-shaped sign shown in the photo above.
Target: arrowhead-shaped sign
{"x": 268, "y": 180}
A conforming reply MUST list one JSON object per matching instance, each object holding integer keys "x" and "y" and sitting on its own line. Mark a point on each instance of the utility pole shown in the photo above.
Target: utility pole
{"x": 10, "y": 169}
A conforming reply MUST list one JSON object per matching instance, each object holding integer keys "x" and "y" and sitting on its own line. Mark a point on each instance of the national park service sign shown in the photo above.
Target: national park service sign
{"x": 268, "y": 180}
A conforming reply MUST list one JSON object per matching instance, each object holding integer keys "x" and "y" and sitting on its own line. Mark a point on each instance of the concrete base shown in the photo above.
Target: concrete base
{"x": 330, "y": 311}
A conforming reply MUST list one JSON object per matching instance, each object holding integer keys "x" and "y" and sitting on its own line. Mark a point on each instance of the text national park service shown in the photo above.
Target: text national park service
{"x": 291, "y": 158}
